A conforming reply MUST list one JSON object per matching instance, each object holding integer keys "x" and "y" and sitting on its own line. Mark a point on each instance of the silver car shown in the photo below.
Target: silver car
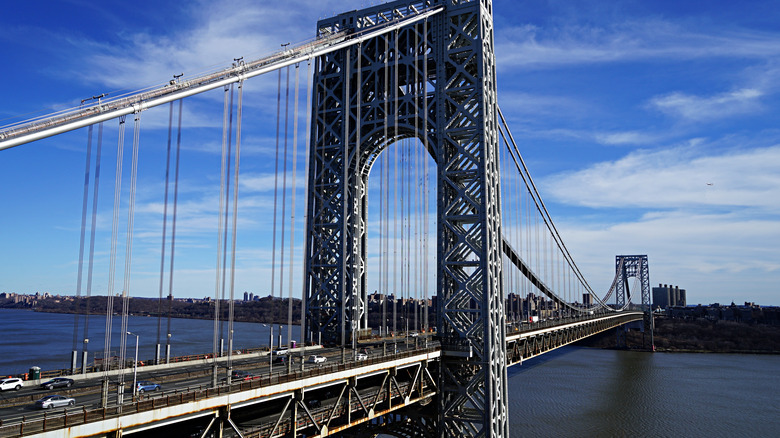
{"x": 54, "y": 401}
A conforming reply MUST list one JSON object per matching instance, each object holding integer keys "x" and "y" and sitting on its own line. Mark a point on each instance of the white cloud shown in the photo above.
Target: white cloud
{"x": 676, "y": 179}
{"x": 686, "y": 106}
{"x": 625, "y": 138}
{"x": 223, "y": 30}
{"x": 717, "y": 257}
{"x": 529, "y": 46}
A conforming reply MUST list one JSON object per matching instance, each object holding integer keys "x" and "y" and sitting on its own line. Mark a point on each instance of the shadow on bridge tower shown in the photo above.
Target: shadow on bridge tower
{"x": 433, "y": 80}
{"x": 634, "y": 266}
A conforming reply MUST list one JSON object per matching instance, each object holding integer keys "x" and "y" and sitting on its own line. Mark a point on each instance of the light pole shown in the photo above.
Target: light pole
{"x": 135, "y": 363}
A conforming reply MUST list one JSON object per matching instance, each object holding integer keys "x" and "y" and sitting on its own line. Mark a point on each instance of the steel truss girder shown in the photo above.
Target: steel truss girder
{"x": 409, "y": 422}
{"x": 348, "y": 133}
{"x": 535, "y": 345}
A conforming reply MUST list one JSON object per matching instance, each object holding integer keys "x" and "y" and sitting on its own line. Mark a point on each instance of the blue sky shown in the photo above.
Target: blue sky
{"x": 650, "y": 128}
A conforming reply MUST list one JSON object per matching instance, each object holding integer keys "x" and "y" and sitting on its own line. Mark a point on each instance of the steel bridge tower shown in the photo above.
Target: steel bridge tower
{"x": 433, "y": 80}
{"x": 636, "y": 266}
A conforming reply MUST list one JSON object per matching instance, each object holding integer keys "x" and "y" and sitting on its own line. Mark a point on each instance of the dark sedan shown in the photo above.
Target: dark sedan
{"x": 57, "y": 382}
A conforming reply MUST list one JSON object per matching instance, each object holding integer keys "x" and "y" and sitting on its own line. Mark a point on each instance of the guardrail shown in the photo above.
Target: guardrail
{"x": 84, "y": 415}
{"x": 64, "y": 372}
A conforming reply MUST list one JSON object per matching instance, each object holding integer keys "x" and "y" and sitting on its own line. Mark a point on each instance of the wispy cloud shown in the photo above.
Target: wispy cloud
{"x": 677, "y": 178}
{"x": 717, "y": 257}
{"x": 223, "y": 30}
{"x": 696, "y": 108}
{"x": 529, "y": 46}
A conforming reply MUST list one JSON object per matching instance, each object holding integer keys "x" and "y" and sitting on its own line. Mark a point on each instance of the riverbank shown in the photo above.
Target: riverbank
{"x": 697, "y": 336}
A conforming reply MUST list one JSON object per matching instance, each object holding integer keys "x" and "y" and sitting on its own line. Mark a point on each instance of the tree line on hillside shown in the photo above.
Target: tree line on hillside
{"x": 262, "y": 310}
{"x": 700, "y": 335}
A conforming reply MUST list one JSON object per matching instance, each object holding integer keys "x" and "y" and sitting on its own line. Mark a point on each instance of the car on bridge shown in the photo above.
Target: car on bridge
{"x": 361, "y": 356}
{"x": 241, "y": 376}
{"x": 54, "y": 401}
{"x": 57, "y": 382}
{"x": 14, "y": 383}
{"x": 280, "y": 351}
{"x": 316, "y": 358}
{"x": 145, "y": 385}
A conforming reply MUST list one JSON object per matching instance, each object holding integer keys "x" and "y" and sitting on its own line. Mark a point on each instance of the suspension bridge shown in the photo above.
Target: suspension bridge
{"x": 408, "y": 159}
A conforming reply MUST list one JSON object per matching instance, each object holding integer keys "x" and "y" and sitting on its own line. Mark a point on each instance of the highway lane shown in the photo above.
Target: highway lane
{"x": 87, "y": 392}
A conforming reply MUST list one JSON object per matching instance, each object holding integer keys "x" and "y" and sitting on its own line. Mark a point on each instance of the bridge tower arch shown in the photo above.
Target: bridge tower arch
{"x": 433, "y": 79}
{"x": 635, "y": 266}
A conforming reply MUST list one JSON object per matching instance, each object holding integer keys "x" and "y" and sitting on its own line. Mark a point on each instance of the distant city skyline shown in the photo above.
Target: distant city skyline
{"x": 3, "y": 295}
{"x": 649, "y": 127}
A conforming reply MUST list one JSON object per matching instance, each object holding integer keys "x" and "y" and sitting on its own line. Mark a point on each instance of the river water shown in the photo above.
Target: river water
{"x": 30, "y": 338}
{"x": 570, "y": 392}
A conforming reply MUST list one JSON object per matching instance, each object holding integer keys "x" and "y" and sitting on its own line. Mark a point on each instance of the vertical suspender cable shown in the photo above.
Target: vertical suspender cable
{"x": 164, "y": 230}
{"x": 74, "y": 354}
{"x": 395, "y": 189}
{"x": 518, "y": 234}
{"x": 231, "y": 304}
{"x": 292, "y": 209}
{"x": 381, "y": 242}
{"x": 224, "y": 248}
{"x": 386, "y": 186}
{"x": 93, "y": 227}
{"x": 345, "y": 110}
{"x": 507, "y": 230}
{"x": 382, "y": 291}
{"x": 220, "y": 227}
{"x": 276, "y": 195}
{"x": 543, "y": 209}
{"x": 173, "y": 233}
{"x": 129, "y": 247}
{"x": 112, "y": 254}
{"x": 363, "y": 193}
{"x": 529, "y": 248}
{"x": 309, "y": 81}
{"x": 284, "y": 196}
{"x": 426, "y": 187}
{"x": 409, "y": 215}
{"x": 417, "y": 213}
{"x": 357, "y": 249}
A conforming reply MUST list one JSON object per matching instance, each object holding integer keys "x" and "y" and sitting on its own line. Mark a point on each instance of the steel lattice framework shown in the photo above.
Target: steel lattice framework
{"x": 628, "y": 266}
{"x": 636, "y": 266}
{"x": 434, "y": 80}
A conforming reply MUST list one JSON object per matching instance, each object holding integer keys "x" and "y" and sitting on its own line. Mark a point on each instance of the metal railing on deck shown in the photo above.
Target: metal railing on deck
{"x": 81, "y": 416}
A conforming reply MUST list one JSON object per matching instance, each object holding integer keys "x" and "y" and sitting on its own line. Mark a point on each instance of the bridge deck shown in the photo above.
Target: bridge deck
{"x": 404, "y": 377}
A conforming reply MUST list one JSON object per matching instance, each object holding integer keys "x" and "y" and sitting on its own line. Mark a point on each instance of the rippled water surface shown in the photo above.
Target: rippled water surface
{"x": 582, "y": 392}
{"x": 46, "y": 339}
